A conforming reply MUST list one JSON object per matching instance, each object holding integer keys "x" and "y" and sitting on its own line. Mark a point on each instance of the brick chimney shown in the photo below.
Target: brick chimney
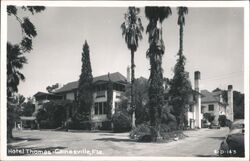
{"x": 230, "y": 112}
{"x": 128, "y": 74}
{"x": 197, "y": 106}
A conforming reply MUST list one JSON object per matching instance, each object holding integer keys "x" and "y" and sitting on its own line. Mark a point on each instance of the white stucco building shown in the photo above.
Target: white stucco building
{"x": 209, "y": 102}
{"x": 99, "y": 109}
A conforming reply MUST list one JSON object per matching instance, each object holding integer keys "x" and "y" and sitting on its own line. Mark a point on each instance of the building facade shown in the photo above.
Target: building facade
{"x": 99, "y": 109}
{"x": 209, "y": 102}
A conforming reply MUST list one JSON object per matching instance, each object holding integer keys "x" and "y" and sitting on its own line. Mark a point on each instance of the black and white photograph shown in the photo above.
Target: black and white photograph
{"x": 84, "y": 80}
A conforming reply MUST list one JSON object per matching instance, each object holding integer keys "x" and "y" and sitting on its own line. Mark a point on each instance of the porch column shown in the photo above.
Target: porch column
{"x": 197, "y": 107}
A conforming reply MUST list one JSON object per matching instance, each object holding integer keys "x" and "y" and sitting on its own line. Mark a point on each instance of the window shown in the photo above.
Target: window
{"x": 119, "y": 87}
{"x": 100, "y": 94}
{"x": 191, "y": 108}
{"x": 101, "y": 108}
{"x": 210, "y": 107}
{"x": 118, "y": 95}
{"x": 105, "y": 107}
{"x": 96, "y": 108}
{"x": 202, "y": 109}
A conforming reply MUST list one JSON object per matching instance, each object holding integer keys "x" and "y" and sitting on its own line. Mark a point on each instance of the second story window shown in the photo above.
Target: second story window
{"x": 100, "y": 94}
{"x": 210, "y": 107}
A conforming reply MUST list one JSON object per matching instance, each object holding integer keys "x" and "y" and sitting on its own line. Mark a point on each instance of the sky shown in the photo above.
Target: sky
{"x": 213, "y": 44}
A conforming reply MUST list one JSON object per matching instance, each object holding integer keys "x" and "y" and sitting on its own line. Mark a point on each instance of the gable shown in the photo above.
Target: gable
{"x": 208, "y": 97}
{"x": 114, "y": 77}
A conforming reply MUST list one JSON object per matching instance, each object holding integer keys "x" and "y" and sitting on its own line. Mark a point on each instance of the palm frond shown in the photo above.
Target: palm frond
{"x": 164, "y": 12}
{"x": 182, "y": 11}
{"x": 132, "y": 28}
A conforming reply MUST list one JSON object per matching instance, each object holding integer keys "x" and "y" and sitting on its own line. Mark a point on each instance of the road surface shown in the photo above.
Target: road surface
{"x": 201, "y": 143}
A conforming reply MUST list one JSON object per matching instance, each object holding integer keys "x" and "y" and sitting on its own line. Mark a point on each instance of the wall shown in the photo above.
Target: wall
{"x": 216, "y": 112}
{"x": 116, "y": 99}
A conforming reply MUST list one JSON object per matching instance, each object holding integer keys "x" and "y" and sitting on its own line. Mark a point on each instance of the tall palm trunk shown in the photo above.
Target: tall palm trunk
{"x": 181, "y": 40}
{"x": 132, "y": 87}
{"x": 181, "y": 116}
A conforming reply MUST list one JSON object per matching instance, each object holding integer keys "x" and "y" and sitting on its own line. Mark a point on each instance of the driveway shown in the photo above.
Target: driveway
{"x": 202, "y": 143}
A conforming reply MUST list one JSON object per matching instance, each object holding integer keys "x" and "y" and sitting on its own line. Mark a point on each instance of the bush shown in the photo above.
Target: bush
{"x": 79, "y": 125}
{"x": 56, "y": 112}
{"x": 106, "y": 125}
{"x": 121, "y": 122}
{"x": 209, "y": 117}
{"x": 46, "y": 124}
{"x": 172, "y": 125}
{"x": 228, "y": 123}
{"x": 144, "y": 133}
{"x": 222, "y": 120}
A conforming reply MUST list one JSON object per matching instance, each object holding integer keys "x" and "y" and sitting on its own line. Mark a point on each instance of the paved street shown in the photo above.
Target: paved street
{"x": 201, "y": 143}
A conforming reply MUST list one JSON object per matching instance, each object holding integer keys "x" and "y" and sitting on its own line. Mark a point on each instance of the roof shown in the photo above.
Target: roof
{"x": 114, "y": 77}
{"x": 43, "y": 94}
{"x": 209, "y": 97}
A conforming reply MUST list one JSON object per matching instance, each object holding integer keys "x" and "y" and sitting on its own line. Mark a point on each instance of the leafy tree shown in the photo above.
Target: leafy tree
{"x": 16, "y": 59}
{"x": 52, "y": 88}
{"x": 14, "y": 105}
{"x": 141, "y": 100}
{"x": 238, "y": 105}
{"x": 55, "y": 113}
{"x": 28, "y": 108}
{"x": 181, "y": 88}
{"x": 85, "y": 89}
{"x": 141, "y": 87}
{"x": 238, "y": 102}
{"x": 155, "y": 52}
{"x": 132, "y": 30}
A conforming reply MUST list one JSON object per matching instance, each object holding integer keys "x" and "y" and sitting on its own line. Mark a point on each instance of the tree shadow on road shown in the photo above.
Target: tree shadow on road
{"x": 115, "y": 140}
{"x": 108, "y": 134}
{"x": 20, "y": 139}
{"x": 218, "y": 138}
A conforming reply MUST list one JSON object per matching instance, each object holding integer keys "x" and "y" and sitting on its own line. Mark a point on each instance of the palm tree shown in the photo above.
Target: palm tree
{"x": 181, "y": 22}
{"x": 182, "y": 11}
{"x": 15, "y": 61}
{"x": 132, "y": 30}
{"x": 156, "y": 16}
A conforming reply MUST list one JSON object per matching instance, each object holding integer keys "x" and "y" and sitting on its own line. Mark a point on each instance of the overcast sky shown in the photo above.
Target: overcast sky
{"x": 213, "y": 44}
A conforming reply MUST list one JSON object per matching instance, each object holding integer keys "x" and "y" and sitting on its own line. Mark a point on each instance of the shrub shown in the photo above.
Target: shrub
{"x": 222, "y": 120}
{"x": 172, "y": 125}
{"x": 204, "y": 123}
{"x": 228, "y": 123}
{"x": 46, "y": 124}
{"x": 56, "y": 112}
{"x": 121, "y": 121}
{"x": 79, "y": 125}
{"x": 142, "y": 133}
{"x": 106, "y": 125}
{"x": 208, "y": 116}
